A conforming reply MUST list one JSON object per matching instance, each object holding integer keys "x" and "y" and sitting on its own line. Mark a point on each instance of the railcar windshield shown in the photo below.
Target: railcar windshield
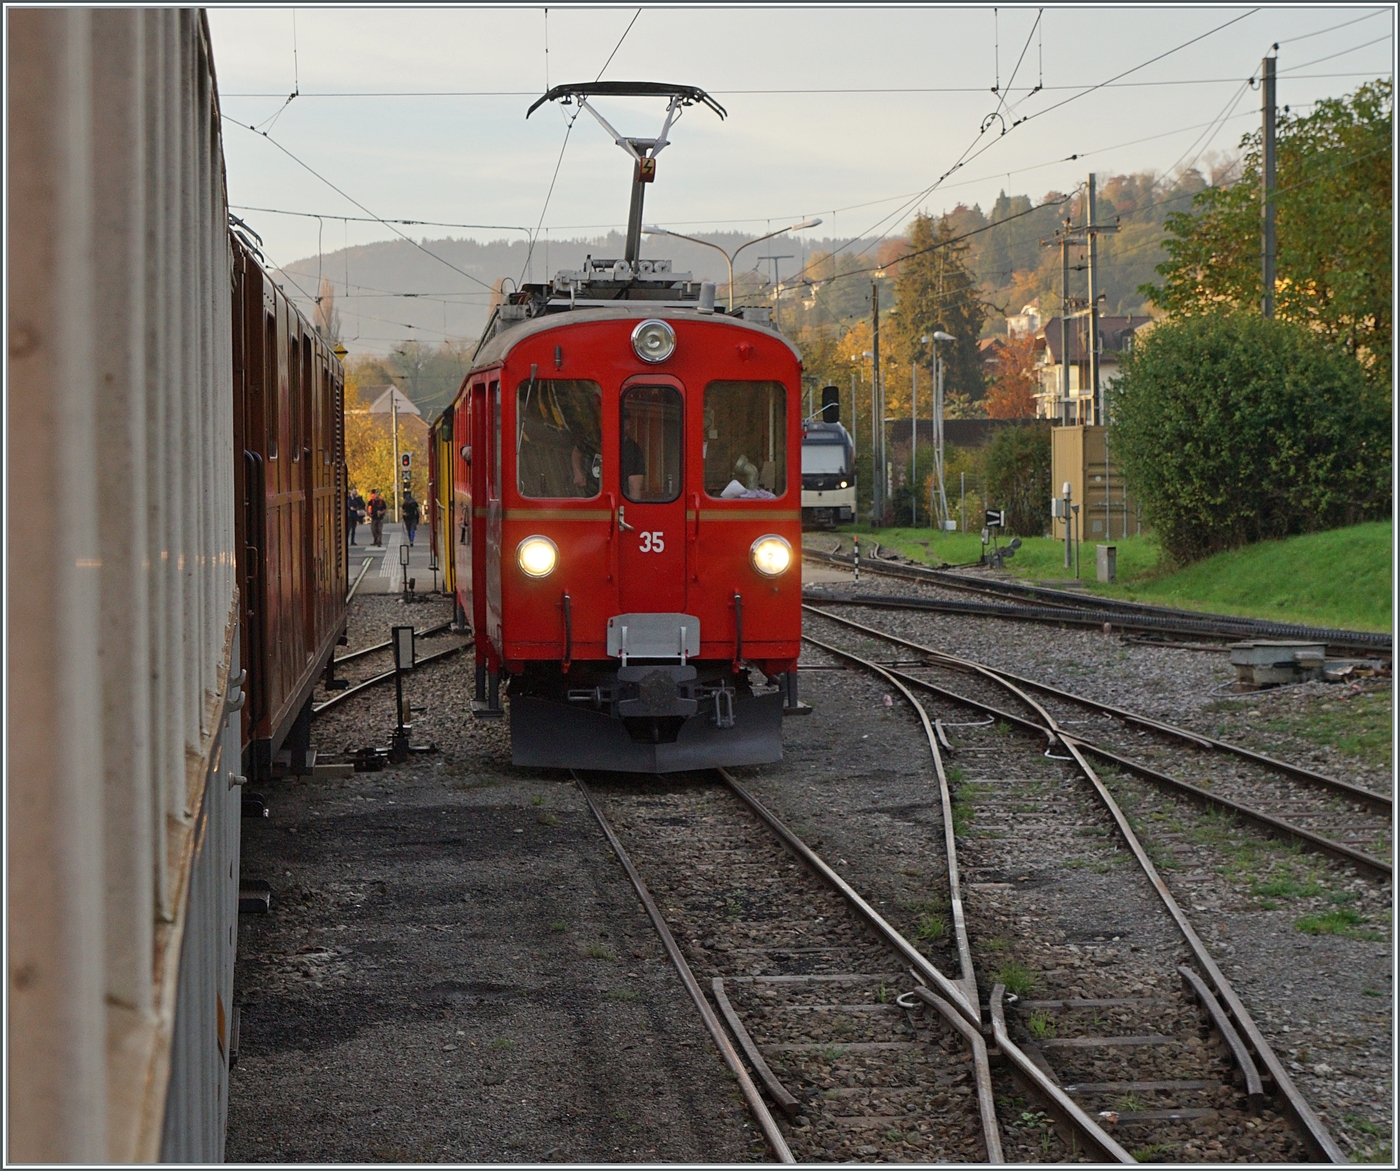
{"x": 823, "y": 459}
{"x": 745, "y": 440}
{"x": 651, "y": 443}
{"x": 558, "y": 440}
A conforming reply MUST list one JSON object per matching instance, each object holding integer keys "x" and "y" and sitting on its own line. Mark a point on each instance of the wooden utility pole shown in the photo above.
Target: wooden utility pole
{"x": 877, "y": 412}
{"x": 1095, "y": 407}
{"x": 1087, "y": 234}
{"x": 1267, "y": 194}
{"x": 1064, "y": 312}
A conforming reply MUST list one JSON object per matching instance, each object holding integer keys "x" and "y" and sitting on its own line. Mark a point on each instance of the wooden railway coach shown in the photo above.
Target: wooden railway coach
{"x": 625, "y": 520}
{"x": 290, "y": 485}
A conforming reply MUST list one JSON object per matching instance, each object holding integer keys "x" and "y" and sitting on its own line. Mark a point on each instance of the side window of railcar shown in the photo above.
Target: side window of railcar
{"x": 495, "y": 486}
{"x": 270, "y": 382}
{"x": 294, "y": 395}
{"x": 745, "y": 441}
{"x": 651, "y": 443}
{"x": 558, "y": 438}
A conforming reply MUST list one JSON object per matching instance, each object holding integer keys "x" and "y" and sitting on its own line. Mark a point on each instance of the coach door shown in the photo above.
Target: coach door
{"x": 651, "y": 508}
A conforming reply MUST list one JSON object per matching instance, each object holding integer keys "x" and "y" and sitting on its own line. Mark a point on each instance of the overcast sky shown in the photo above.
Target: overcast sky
{"x": 860, "y": 159}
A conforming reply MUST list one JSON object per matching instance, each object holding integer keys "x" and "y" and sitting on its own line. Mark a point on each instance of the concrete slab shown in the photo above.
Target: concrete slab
{"x": 385, "y": 575}
{"x": 816, "y": 573}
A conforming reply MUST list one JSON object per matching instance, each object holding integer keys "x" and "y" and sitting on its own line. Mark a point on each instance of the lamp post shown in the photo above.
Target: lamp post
{"x": 729, "y": 257}
{"x": 914, "y": 438}
{"x": 876, "y": 472}
{"x": 939, "y": 336}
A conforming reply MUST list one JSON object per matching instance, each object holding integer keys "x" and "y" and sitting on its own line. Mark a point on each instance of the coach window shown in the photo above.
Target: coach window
{"x": 294, "y": 396}
{"x": 558, "y": 438}
{"x": 270, "y": 383}
{"x": 745, "y": 441}
{"x": 651, "y": 444}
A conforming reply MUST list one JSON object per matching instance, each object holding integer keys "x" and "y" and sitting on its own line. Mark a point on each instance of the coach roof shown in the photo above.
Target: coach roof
{"x": 506, "y": 339}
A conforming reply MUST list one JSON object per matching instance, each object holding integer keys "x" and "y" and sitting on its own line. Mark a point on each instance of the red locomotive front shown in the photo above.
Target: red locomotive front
{"x": 628, "y": 531}
{"x": 626, "y": 507}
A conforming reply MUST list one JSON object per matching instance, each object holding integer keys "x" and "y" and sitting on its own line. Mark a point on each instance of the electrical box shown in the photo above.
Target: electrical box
{"x": 1057, "y": 507}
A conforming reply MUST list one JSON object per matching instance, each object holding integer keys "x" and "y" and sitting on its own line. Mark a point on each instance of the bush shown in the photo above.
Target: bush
{"x": 1232, "y": 429}
{"x": 1016, "y": 464}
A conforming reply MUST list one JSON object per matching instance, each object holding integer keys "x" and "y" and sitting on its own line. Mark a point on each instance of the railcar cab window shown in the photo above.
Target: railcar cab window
{"x": 494, "y": 488}
{"x": 559, "y": 438}
{"x": 651, "y": 444}
{"x": 823, "y": 459}
{"x": 745, "y": 441}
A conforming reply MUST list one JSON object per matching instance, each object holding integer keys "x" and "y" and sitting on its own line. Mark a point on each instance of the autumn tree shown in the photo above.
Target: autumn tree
{"x": 369, "y": 440}
{"x": 1011, "y": 394}
{"x": 1333, "y": 222}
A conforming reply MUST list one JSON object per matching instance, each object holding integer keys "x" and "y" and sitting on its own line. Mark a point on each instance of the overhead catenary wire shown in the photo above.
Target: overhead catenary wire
{"x": 346, "y": 195}
{"x": 1339, "y": 53}
{"x": 1334, "y": 27}
{"x": 792, "y": 91}
{"x": 964, "y": 158}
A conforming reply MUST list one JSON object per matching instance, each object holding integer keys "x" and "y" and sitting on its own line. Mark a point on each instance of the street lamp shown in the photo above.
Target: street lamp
{"x": 729, "y": 257}
{"x": 939, "y": 336}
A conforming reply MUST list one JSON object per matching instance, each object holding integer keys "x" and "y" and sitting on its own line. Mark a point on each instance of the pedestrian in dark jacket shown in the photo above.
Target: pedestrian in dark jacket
{"x": 376, "y": 509}
{"x": 354, "y": 513}
{"x": 411, "y": 515}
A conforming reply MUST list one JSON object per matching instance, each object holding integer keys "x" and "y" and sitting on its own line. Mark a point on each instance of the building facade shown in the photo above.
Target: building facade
{"x": 1065, "y": 394}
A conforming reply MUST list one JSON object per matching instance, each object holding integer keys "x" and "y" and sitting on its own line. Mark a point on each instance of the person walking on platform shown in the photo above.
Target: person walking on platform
{"x": 354, "y": 512}
{"x": 376, "y": 508}
{"x": 411, "y": 515}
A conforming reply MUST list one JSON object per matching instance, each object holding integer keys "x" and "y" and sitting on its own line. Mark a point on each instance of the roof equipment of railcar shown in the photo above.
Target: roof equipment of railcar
{"x": 642, "y": 150}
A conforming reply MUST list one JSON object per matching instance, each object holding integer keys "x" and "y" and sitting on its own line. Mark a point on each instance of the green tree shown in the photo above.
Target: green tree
{"x": 1333, "y": 222}
{"x": 429, "y": 375}
{"x": 1016, "y": 466}
{"x": 937, "y": 291}
{"x": 1231, "y": 429}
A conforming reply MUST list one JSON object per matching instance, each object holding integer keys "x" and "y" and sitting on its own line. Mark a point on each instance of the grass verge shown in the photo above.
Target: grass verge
{"x": 1339, "y": 578}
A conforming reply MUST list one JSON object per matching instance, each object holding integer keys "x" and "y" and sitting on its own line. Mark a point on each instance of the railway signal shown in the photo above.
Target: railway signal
{"x": 996, "y": 518}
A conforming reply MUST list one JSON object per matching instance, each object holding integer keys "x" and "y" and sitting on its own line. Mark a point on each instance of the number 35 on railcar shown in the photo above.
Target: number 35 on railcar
{"x": 624, "y": 506}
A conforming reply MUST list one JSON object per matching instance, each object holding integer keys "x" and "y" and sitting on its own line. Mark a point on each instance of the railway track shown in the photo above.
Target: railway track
{"x": 1113, "y": 1004}
{"x": 362, "y": 685}
{"x": 807, "y": 986}
{"x": 1110, "y": 1040}
{"x": 1023, "y": 602}
{"x": 1321, "y": 813}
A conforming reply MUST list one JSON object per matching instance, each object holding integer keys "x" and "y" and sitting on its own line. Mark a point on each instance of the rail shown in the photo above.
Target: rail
{"x": 388, "y": 643}
{"x": 1372, "y": 866}
{"x": 1320, "y": 1143}
{"x": 374, "y": 680}
{"x": 359, "y": 577}
{"x": 756, "y": 1105}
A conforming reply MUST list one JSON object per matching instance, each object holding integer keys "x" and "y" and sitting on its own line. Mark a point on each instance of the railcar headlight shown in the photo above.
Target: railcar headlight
{"x": 654, "y": 341}
{"x": 537, "y": 556}
{"x": 771, "y": 555}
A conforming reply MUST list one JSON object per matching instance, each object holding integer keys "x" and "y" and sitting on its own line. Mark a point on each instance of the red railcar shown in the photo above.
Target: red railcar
{"x": 626, "y": 503}
{"x": 289, "y": 475}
